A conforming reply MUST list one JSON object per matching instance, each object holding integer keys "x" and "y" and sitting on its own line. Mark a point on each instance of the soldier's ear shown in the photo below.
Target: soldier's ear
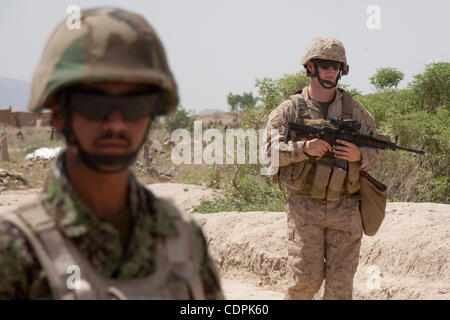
{"x": 57, "y": 120}
{"x": 310, "y": 66}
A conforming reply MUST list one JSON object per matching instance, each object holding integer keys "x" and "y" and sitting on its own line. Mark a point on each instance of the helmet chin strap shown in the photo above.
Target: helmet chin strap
{"x": 324, "y": 83}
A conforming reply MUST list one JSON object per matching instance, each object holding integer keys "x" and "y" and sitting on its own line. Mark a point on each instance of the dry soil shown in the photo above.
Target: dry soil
{"x": 406, "y": 259}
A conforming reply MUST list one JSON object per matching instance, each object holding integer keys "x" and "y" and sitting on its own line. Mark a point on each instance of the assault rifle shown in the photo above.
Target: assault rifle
{"x": 345, "y": 130}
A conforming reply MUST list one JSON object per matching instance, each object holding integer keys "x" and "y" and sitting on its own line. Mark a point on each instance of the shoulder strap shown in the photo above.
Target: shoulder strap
{"x": 29, "y": 219}
{"x": 347, "y": 104}
{"x": 49, "y": 247}
{"x": 180, "y": 251}
{"x": 301, "y": 110}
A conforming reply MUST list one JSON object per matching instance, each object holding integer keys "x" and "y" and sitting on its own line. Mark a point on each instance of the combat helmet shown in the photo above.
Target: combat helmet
{"x": 110, "y": 45}
{"x": 325, "y": 48}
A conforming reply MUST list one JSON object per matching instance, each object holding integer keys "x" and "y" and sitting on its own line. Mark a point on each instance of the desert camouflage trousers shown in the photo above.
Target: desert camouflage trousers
{"x": 324, "y": 240}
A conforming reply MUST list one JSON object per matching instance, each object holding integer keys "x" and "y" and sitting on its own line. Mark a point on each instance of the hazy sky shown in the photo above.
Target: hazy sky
{"x": 216, "y": 47}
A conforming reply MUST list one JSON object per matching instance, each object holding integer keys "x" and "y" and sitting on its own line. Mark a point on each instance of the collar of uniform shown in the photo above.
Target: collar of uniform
{"x": 309, "y": 103}
{"x": 307, "y": 98}
{"x": 74, "y": 218}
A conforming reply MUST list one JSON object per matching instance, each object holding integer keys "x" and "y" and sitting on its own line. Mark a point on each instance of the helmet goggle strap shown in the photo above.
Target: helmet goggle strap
{"x": 97, "y": 162}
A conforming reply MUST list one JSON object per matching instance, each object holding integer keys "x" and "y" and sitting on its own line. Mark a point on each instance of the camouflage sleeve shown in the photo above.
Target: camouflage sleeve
{"x": 18, "y": 265}
{"x": 370, "y": 157}
{"x": 288, "y": 152}
{"x": 208, "y": 271}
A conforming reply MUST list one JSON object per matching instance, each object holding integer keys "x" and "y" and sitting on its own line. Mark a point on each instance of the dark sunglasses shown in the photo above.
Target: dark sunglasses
{"x": 325, "y": 64}
{"x": 98, "y": 106}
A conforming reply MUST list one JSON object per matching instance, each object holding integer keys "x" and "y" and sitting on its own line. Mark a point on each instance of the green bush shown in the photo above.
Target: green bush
{"x": 430, "y": 132}
{"x": 413, "y": 177}
{"x": 271, "y": 94}
{"x": 386, "y": 78}
{"x": 213, "y": 177}
{"x": 243, "y": 101}
{"x": 182, "y": 119}
{"x": 192, "y": 177}
{"x": 388, "y": 105}
{"x": 291, "y": 83}
{"x": 438, "y": 190}
{"x": 249, "y": 191}
{"x": 431, "y": 89}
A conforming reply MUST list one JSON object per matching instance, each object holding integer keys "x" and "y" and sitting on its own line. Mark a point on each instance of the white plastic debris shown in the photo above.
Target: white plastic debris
{"x": 43, "y": 153}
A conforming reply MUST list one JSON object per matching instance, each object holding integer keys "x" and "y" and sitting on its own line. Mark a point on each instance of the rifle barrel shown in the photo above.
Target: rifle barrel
{"x": 408, "y": 149}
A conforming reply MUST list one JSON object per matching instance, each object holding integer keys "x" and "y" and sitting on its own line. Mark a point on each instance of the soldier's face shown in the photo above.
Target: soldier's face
{"x": 113, "y": 135}
{"x": 329, "y": 74}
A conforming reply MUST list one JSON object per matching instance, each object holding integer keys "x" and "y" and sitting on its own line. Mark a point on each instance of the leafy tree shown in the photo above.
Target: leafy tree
{"x": 243, "y": 101}
{"x": 182, "y": 119}
{"x": 386, "y": 78}
{"x": 271, "y": 94}
{"x": 353, "y": 91}
{"x": 431, "y": 89}
{"x": 291, "y": 83}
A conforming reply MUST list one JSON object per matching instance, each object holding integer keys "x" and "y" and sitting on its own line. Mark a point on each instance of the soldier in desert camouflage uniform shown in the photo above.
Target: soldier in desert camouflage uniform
{"x": 96, "y": 232}
{"x": 324, "y": 224}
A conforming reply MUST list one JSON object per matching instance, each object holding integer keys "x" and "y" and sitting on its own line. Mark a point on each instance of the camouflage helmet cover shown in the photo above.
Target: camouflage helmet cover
{"x": 326, "y": 48}
{"x": 111, "y": 45}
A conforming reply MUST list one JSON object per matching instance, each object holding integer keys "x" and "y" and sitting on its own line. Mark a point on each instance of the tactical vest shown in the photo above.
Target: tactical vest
{"x": 176, "y": 275}
{"x": 320, "y": 177}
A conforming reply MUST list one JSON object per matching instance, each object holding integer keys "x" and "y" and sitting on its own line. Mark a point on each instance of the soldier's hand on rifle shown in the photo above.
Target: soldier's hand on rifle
{"x": 316, "y": 147}
{"x": 348, "y": 151}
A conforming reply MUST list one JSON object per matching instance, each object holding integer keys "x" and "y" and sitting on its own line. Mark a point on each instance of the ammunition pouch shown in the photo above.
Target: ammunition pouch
{"x": 372, "y": 204}
{"x": 334, "y": 190}
{"x": 321, "y": 179}
{"x": 294, "y": 176}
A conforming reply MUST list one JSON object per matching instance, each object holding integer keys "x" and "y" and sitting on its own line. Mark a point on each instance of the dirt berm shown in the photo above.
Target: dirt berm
{"x": 407, "y": 259}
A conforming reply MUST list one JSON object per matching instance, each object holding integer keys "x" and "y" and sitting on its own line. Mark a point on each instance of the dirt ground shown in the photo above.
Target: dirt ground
{"x": 407, "y": 259}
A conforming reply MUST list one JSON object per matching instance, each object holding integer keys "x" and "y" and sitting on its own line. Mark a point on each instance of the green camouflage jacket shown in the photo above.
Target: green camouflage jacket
{"x": 22, "y": 277}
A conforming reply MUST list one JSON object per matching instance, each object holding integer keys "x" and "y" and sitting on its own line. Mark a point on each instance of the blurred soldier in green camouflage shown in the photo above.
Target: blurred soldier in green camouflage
{"x": 96, "y": 232}
{"x": 324, "y": 223}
